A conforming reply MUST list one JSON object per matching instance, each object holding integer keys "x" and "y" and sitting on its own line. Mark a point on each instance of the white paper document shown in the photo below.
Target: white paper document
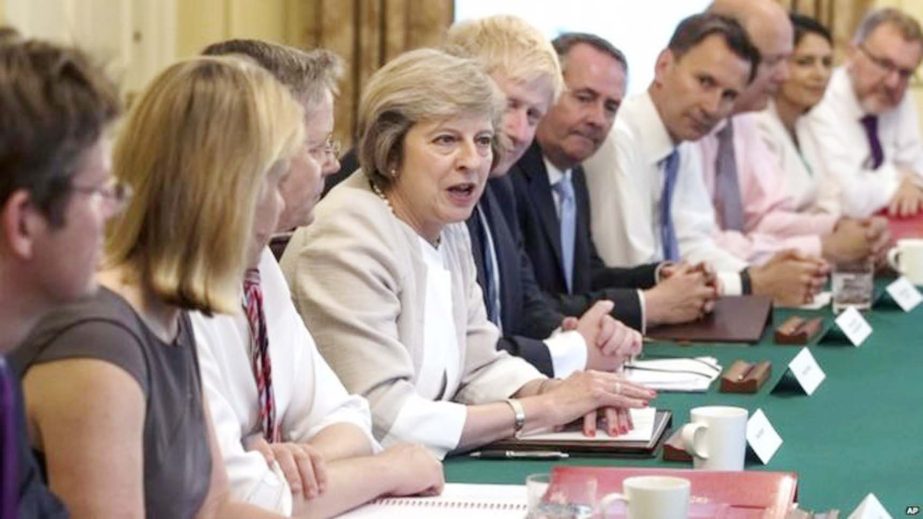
{"x": 693, "y": 375}
{"x": 643, "y": 420}
{"x": 458, "y": 500}
{"x": 821, "y": 300}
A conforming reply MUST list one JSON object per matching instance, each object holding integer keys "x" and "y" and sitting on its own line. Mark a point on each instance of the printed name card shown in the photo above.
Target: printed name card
{"x": 762, "y": 436}
{"x": 806, "y": 370}
{"x": 856, "y": 328}
{"x": 870, "y": 508}
{"x": 905, "y": 294}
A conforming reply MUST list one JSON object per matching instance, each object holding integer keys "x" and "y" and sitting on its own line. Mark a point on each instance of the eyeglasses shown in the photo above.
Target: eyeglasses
{"x": 330, "y": 148}
{"x": 887, "y": 65}
{"x": 112, "y": 191}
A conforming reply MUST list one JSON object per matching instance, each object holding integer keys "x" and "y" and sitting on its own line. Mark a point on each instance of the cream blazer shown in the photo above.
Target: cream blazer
{"x": 358, "y": 279}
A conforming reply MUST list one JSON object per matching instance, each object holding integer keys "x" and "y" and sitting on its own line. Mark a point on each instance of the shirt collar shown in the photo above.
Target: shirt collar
{"x": 656, "y": 144}
{"x": 554, "y": 174}
{"x": 841, "y": 87}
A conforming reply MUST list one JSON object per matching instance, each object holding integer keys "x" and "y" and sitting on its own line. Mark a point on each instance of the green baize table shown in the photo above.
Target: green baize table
{"x": 860, "y": 432}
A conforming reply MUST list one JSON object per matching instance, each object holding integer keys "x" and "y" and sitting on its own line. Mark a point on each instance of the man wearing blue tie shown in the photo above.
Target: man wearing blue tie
{"x": 646, "y": 186}
{"x": 553, "y": 210}
{"x": 525, "y": 68}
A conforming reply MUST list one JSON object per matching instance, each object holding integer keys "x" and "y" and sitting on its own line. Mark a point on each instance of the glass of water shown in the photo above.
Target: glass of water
{"x": 547, "y": 500}
{"x": 852, "y": 284}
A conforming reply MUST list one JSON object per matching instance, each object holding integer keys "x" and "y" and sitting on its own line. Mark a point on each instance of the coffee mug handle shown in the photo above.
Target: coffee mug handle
{"x": 607, "y": 501}
{"x": 690, "y": 432}
{"x": 894, "y": 256}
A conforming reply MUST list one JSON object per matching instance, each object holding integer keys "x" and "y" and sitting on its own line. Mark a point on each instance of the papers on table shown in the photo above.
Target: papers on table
{"x": 679, "y": 374}
{"x": 458, "y": 500}
{"x": 643, "y": 420}
{"x": 820, "y": 301}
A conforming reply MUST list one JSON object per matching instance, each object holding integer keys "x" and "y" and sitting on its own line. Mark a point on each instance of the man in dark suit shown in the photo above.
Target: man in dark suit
{"x": 525, "y": 67}
{"x": 553, "y": 208}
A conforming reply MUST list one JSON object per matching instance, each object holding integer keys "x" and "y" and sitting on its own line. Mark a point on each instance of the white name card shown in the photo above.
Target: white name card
{"x": 762, "y": 436}
{"x": 856, "y": 328}
{"x": 870, "y": 508}
{"x": 807, "y": 371}
{"x": 905, "y": 294}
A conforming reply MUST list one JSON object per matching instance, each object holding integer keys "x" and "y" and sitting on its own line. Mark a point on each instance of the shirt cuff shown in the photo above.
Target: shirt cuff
{"x": 643, "y": 306}
{"x": 272, "y": 492}
{"x": 568, "y": 352}
{"x": 730, "y": 283}
{"x": 660, "y": 266}
{"x": 437, "y": 425}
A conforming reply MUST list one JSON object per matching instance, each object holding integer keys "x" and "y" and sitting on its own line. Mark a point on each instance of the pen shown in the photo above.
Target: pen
{"x": 501, "y": 455}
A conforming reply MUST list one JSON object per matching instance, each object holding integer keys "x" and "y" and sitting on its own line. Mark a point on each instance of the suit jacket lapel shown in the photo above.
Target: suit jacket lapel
{"x": 533, "y": 166}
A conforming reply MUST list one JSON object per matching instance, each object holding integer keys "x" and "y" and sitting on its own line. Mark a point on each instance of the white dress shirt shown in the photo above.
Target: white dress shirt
{"x": 844, "y": 150}
{"x": 805, "y": 182}
{"x": 308, "y": 395}
{"x": 625, "y": 179}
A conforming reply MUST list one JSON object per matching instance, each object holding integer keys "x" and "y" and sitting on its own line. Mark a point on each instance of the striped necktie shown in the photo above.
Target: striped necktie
{"x": 259, "y": 354}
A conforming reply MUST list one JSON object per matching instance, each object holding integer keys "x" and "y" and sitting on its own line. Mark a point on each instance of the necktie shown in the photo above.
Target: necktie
{"x": 667, "y": 231}
{"x": 870, "y": 124}
{"x": 9, "y": 465}
{"x": 491, "y": 270}
{"x": 259, "y": 354}
{"x": 728, "y": 203}
{"x": 568, "y": 219}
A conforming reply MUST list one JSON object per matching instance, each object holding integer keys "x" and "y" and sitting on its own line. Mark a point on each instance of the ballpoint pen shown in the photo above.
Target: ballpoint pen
{"x": 503, "y": 455}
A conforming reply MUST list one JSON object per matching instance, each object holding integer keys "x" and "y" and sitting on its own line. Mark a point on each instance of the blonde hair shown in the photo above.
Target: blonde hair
{"x": 509, "y": 46}
{"x": 420, "y": 85}
{"x": 195, "y": 149}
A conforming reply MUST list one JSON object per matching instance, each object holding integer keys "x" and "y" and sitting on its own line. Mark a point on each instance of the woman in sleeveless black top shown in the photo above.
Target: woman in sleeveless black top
{"x": 113, "y": 391}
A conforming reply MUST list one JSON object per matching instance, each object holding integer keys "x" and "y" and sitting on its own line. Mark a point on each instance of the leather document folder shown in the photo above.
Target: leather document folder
{"x": 749, "y": 494}
{"x": 598, "y": 446}
{"x": 734, "y": 319}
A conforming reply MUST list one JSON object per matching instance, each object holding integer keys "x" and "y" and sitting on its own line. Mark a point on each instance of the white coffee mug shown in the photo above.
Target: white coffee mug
{"x": 716, "y": 437}
{"x": 907, "y": 258}
{"x": 651, "y": 497}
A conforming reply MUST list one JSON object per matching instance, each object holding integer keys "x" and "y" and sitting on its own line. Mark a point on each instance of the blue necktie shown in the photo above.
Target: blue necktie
{"x": 491, "y": 270}
{"x": 667, "y": 231}
{"x": 568, "y": 216}
{"x": 728, "y": 201}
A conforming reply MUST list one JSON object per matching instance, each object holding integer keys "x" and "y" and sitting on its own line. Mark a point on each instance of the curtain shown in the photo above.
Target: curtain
{"x": 840, "y": 16}
{"x": 366, "y": 34}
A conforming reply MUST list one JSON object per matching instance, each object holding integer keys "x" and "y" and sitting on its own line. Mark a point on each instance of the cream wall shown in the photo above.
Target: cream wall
{"x": 137, "y": 38}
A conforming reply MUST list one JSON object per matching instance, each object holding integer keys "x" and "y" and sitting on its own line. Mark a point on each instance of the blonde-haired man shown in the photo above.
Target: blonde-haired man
{"x": 525, "y": 67}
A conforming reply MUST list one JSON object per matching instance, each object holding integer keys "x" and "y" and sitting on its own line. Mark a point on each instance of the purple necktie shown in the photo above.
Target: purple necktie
{"x": 870, "y": 123}
{"x": 728, "y": 203}
{"x": 9, "y": 467}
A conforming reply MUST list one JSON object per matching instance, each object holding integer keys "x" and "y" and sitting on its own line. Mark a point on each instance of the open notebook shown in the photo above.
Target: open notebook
{"x": 458, "y": 500}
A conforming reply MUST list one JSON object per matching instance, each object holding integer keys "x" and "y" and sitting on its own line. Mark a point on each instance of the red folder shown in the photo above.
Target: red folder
{"x": 902, "y": 228}
{"x": 749, "y": 494}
